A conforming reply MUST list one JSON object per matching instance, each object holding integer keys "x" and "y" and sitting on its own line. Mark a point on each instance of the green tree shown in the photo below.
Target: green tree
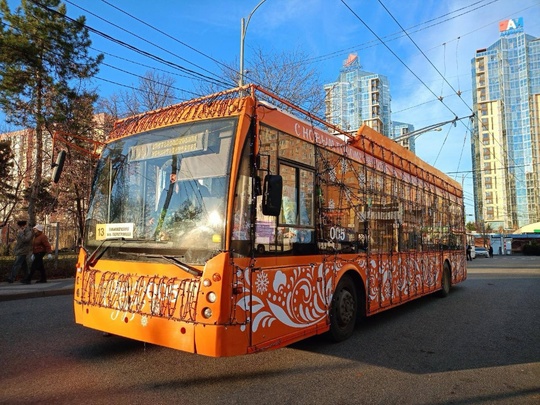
{"x": 44, "y": 64}
{"x": 470, "y": 226}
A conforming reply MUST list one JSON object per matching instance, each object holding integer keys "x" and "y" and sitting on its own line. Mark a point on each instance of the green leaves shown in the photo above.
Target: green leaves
{"x": 43, "y": 59}
{"x": 44, "y": 67}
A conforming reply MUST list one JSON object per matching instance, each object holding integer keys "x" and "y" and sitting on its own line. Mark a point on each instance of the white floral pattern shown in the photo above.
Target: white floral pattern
{"x": 262, "y": 282}
{"x": 296, "y": 298}
{"x": 300, "y": 296}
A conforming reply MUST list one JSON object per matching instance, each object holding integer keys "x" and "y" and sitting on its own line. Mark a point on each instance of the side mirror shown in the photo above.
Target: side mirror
{"x": 272, "y": 194}
{"x": 58, "y": 166}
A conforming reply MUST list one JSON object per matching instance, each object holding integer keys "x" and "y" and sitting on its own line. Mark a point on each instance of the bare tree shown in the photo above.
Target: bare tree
{"x": 129, "y": 103}
{"x": 112, "y": 107}
{"x": 81, "y": 136}
{"x": 155, "y": 90}
{"x": 284, "y": 73}
{"x": 12, "y": 184}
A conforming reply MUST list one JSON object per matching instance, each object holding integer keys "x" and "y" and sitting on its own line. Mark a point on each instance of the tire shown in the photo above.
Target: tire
{"x": 446, "y": 281}
{"x": 343, "y": 310}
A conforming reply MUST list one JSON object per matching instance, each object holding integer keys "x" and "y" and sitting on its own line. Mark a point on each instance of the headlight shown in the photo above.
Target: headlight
{"x": 211, "y": 297}
{"x": 207, "y": 312}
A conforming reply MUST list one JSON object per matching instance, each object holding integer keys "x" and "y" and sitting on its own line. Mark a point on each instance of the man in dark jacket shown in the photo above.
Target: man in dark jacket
{"x": 22, "y": 251}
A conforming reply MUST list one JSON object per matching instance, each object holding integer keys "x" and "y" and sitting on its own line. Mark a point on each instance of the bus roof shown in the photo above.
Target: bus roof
{"x": 367, "y": 138}
{"x": 233, "y": 102}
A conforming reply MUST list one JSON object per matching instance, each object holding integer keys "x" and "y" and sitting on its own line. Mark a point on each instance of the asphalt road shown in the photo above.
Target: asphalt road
{"x": 478, "y": 345}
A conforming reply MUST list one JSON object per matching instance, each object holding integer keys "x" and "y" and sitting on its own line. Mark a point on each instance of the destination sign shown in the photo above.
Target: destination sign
{"x": 174, "y": 146}
{"x": 106, "y": 231}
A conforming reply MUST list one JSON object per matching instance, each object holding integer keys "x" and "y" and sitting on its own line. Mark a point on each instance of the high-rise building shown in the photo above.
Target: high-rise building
{"x": 505, "y": 139}
{"x": 358, "y": 97}
{"x": 400, "y": 131}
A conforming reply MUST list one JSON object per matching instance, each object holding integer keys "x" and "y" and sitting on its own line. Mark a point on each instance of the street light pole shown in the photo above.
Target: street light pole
{"x": 243, "y": 28}
{"x": 434, "y": 127}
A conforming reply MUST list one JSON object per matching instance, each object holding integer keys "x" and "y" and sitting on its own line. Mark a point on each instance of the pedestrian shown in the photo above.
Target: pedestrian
{"x": 469, "y": 257}
{"x": 491, "y": 251}
{"x": 22, "y": 251}
{"x": 40, "y": 247}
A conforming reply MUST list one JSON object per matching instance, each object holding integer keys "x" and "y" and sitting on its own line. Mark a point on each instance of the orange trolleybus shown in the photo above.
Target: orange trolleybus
{"x": 228, "y": 225}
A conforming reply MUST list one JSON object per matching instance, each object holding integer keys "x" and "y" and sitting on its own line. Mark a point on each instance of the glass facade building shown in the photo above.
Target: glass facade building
{"x": 505, "y": 141}
{"x": 358, "y": 97}
{"x": 400, "y": 131}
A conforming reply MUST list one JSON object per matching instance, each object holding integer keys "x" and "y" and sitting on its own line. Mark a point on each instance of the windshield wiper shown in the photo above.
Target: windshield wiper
{"x": 100, "y": 251}
{"x": 171, "y": 259}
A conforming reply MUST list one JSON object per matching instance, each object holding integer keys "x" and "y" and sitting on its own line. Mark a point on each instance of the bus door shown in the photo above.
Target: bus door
{"x": 290, "y": 287}
{"x": 287, "y": 300}
{"x": 383, "y": 259}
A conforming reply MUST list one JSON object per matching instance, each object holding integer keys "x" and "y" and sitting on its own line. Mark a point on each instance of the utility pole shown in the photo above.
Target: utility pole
{"x": 243, "y": 28}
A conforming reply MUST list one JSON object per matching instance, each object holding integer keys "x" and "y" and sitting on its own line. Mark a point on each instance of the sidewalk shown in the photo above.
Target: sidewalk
{"x": 17, "y": 290}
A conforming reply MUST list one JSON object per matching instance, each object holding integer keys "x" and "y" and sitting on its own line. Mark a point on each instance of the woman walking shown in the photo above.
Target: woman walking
{"x": 40, "y": 248}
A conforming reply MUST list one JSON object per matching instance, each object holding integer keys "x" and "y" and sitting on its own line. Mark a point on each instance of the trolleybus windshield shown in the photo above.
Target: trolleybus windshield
{"x": 163, "y": 192}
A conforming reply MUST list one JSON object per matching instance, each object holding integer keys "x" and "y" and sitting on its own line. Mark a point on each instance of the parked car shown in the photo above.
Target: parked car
{"x": 481, "y": 252}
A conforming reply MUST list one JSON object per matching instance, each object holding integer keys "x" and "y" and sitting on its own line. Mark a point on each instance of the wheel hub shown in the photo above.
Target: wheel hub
{"x": 346, "y": 308}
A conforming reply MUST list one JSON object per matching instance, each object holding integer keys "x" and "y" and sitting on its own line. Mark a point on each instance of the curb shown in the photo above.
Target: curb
{"x": 35, "y": 294}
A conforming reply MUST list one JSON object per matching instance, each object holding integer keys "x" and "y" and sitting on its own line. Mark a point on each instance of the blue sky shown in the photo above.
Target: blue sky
{"x": 194, "y": 34}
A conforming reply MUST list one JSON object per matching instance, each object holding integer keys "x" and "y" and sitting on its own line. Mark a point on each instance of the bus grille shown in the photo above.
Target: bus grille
{"x": 173, "y": 298}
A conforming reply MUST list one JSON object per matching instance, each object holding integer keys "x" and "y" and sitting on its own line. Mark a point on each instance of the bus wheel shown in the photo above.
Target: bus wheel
{"x": 343, "y": 312}
{"x": 446, "y": 281}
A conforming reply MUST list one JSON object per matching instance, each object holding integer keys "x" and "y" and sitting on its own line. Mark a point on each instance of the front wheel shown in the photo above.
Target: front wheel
{"x": 344, "y": 310}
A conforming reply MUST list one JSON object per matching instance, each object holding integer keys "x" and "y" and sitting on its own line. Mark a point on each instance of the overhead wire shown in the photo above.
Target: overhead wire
{"x": 397, "y": 56}
{"x": 434, "y": 67}
{"x": 144, "y": 78}
{"x": 142, "y": 64}
{"x": 166, "y": 34}
{"x": 396, "y": 35}
{"x": 149, "y": 55}
{"x": 423, "y": 53}
{"x": 140, "y": 37}
{"x": 458, "y": 93}
{"x": 226, "y": 67}
{"x": 198, "y": 75}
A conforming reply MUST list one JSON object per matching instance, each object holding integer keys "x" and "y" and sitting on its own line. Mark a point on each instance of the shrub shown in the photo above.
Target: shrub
{"x": 65, "y": 266}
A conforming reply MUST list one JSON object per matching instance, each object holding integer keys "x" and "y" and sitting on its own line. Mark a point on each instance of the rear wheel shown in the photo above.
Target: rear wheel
{"x": 344, "y": 310}
{"x": 446, "y": 281}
